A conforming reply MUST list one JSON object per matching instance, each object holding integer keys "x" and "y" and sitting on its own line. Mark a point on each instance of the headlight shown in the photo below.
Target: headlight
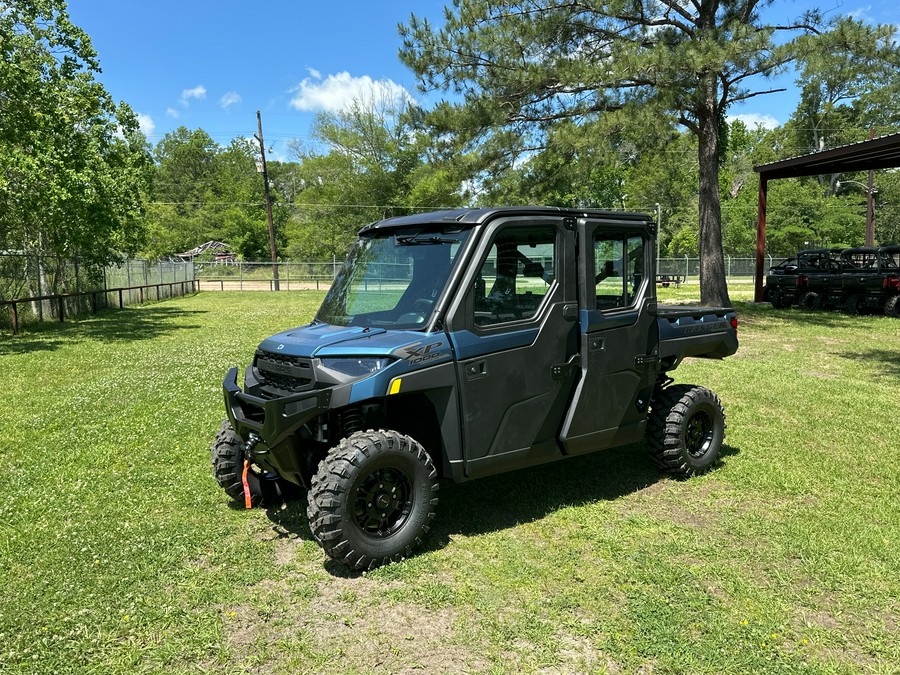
{"x": 354, "y": 366}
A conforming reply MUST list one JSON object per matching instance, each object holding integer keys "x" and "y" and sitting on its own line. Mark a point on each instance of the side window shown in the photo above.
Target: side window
{"x": 516, "y": 275}
{"x": 618, "y": 269}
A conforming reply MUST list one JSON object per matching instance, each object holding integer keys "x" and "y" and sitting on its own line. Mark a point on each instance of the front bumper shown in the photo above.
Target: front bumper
{"x": 273, "y": 420}
{"x": 276, "y": 422}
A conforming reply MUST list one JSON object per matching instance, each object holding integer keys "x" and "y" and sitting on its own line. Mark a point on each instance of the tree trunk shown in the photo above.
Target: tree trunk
{"x": 713, "y": 286}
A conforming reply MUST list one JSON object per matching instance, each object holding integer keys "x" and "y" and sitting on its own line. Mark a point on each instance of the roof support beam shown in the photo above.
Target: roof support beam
{"x": 760, "y": 237}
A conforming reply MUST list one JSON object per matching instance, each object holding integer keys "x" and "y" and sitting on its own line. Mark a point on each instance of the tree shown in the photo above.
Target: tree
{"x": 887, "y": 214}
{"x": 203, "y": 191}
{"x": 843, "y": 85}
{"x": 73, "y": 165}
{"x": 184, "y": 181}
{"x": 376, "y": 166}
{"x": 521, "y": 67}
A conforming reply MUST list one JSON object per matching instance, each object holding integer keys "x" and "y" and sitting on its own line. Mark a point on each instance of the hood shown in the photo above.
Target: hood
{"x": 317, "y": 340}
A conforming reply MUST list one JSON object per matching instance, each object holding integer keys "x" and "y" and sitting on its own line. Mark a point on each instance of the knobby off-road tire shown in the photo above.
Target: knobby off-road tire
{"x": 779, "y": 301}
{"x": 810, "y": 300}
{"x": 228, "y": 466}
{"x": 854, "y": 305}
{"x": 685, "y": 430}
{"x": 372, "y": 499}
{"x": 892, "y": 307}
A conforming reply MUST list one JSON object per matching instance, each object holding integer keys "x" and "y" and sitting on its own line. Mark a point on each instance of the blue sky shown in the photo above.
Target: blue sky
{"x": 213, "y": 64}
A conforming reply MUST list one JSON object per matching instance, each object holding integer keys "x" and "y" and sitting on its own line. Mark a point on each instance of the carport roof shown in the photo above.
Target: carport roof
{"x": 878, "y": 153}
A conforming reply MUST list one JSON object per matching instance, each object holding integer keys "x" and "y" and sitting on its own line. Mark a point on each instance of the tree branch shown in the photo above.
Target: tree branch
{"x": 676, "y": 7}
{"x": 744, "y": 97}
{"x": 690, "y": 124}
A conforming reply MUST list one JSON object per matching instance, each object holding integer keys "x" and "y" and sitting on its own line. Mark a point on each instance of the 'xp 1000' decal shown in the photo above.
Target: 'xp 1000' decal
{"x": 421, "y": 353}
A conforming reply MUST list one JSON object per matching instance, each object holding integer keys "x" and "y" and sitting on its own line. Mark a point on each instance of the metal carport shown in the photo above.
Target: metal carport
{"x": 877, "y": 153}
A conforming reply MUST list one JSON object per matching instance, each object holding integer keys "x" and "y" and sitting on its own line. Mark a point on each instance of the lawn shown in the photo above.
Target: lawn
{"x": 119, "y": 554}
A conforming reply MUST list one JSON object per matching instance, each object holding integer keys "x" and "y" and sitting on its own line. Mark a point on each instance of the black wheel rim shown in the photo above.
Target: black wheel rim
{"x": 383, "y": 502}
{"x": 698, "y": 435}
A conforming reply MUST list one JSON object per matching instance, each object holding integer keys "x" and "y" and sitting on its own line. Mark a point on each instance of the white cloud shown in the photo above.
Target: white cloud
{"x": 230, "y": 99}
{"x": 146, "y": 123}
{"x": 337, "y": 92}
{"x": 753, "y": 120}
{"x": 172, "y": 112}
{"x": 861, "y": 13}
{"x": 198, "y": 92}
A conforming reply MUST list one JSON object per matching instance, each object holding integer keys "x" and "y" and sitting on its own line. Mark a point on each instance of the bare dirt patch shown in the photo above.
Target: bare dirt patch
{"x": 350, "y": 617}
{"x": 352, "y": 624}
{"x": 284, "y": 550}
{"x": 577, "y": 654}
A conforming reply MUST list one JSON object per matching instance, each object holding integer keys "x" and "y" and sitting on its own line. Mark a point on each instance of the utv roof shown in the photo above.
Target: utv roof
{"x": 829, "y": 253}
{"x": 483, "y": 215}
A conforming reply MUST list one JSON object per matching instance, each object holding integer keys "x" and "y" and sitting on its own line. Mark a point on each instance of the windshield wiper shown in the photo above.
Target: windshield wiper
{"x": 413, "y": 239}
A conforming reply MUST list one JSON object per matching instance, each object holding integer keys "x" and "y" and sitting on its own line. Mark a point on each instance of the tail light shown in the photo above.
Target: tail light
{"x": 802, "y": 281}
{"x": 892, "y": 282}
{"x": 734, "y": 324}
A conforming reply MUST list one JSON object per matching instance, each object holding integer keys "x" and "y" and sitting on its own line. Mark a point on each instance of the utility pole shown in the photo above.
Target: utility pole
{"x": 870, "y": 202}
{"x": 265, "y": 174}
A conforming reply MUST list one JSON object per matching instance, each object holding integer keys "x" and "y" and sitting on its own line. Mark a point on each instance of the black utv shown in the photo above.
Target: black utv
{"x": 873, "y": 281}
{"x": 809, "y": 281}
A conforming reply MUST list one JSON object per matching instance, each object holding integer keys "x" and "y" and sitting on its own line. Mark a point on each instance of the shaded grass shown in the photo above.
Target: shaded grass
{"x": 118, "y": 553}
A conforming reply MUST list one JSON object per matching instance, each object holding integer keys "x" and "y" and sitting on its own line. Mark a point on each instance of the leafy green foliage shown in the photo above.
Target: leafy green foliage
{"x": 521, "y": 67}
{"x": 73, "y": 166}
{"x": 203, "y": 191}
{"x": 849, "y": 80}
{"x": 376, "y": 166}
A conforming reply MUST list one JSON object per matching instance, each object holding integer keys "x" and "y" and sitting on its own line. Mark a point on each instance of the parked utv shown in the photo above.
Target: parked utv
{"x": 808, "y": 280}
{"x": 873, "y": 281}
{"x": 461, "y": 344}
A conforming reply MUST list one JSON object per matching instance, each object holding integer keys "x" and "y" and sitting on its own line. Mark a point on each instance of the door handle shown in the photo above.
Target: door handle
{"x": 476, "y": 370}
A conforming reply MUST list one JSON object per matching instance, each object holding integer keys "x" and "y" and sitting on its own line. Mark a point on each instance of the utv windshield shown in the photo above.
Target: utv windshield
{"x": 393, "y": 279}
{"x": 890, "y": 258}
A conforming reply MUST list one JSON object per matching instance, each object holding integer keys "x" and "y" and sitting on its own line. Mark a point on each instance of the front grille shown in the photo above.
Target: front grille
{"x": 283, "y": 374}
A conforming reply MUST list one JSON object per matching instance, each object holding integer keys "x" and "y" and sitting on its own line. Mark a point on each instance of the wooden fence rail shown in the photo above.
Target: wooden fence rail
{"x": 60, "y": 298}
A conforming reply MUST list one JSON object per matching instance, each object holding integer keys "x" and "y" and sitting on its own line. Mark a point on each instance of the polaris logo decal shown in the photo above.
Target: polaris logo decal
{"x": 422, "y": 353}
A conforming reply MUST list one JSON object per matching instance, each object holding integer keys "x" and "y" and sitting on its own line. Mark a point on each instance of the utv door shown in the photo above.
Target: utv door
{"x": 514, "y": 332}
{"x": 618, "y": 336}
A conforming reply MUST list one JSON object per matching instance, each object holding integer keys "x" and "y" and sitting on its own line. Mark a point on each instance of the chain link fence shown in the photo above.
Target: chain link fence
{"x": 26, "y": 276}
{"x": 261, "y": 276}
{"x": 736, "y": 268}
{"x": 84, "y": 290}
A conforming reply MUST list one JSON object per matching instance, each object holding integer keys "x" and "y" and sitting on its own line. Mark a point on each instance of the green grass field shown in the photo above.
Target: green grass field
{"x": 119, "y": 554}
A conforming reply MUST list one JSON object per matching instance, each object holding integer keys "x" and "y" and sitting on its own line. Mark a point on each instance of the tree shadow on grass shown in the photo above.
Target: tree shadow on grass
{"x": 507, "y": 500}
{"x": 763, "y": 317}
{"x": 885, "y": 362}
{"x": 118, "y": 325}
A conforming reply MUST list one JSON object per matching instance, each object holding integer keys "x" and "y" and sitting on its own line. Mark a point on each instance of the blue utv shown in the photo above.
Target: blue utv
{"x": 460, "y": 344}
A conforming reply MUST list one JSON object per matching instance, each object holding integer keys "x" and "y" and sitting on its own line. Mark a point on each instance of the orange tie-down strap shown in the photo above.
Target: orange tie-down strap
{"x": 248, "y": 500}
